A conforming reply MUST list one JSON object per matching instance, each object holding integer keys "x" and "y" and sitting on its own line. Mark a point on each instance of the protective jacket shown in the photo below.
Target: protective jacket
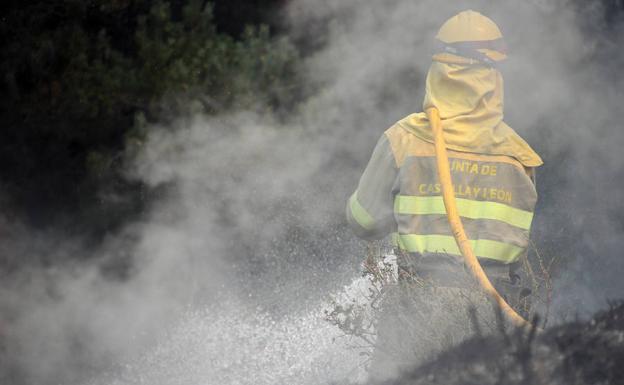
{"x": 491, "y": 166}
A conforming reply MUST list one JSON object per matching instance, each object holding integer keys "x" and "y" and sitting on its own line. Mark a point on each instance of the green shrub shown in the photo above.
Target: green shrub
{"x": 79, "y": 76}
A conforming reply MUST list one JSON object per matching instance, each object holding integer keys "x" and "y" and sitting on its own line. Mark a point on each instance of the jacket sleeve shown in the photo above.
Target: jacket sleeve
{"x": 370, "y": 210}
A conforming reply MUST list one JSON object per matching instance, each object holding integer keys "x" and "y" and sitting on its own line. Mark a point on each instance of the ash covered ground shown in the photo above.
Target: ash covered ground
{"x": 581, "y": 352}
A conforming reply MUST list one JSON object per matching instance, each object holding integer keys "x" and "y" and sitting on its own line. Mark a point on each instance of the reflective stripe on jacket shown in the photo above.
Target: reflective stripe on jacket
{"x": 399, "y": 192}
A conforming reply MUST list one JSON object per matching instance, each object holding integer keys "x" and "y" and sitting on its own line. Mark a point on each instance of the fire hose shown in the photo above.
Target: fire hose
{"x": 448, "y": 196}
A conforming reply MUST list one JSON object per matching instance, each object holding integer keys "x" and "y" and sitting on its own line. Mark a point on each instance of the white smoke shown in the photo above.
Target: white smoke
{"x": 562, "y": 86}
{"x": 231, "y": 267}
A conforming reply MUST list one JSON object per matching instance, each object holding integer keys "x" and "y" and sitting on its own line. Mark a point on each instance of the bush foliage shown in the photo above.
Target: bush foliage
{"x": 81, "y": 78}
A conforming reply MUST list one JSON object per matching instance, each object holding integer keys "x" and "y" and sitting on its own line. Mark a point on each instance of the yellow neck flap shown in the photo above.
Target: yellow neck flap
{"x": 469, "y": 97}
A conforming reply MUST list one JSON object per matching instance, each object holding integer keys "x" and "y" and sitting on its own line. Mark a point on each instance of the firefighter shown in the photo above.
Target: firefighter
{"x": 492, "y": 169}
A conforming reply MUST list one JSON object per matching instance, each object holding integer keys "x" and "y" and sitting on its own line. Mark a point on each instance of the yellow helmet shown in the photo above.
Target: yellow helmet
{"x": 472, "y": 35}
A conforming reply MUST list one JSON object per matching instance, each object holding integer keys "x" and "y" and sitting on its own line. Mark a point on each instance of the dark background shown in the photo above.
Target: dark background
{"x": 74, "y": 84}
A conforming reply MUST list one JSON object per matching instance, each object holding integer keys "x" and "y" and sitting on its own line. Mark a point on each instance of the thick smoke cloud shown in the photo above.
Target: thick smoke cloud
{"x": 562, "y": 88}
{"x": 233, "y": 262}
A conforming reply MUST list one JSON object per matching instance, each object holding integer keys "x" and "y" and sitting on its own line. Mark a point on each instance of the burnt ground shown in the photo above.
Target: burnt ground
{"x": 580, "y": 352}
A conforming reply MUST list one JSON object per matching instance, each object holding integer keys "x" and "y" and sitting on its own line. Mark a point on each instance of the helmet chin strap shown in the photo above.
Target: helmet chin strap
{"x": 470, "y": 49}
{"x": 470, "y": 54}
